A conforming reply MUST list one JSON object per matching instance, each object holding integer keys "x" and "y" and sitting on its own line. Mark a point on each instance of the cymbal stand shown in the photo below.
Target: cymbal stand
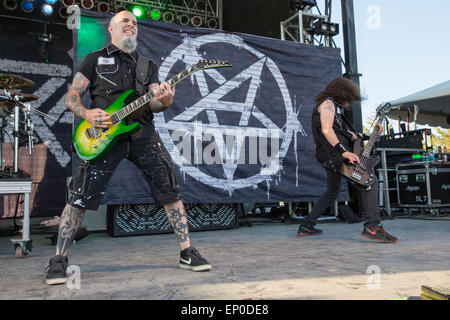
{"x": 2, "y": 127}
{"x": 16, "y": 133}
{"x": 29, "y": 127}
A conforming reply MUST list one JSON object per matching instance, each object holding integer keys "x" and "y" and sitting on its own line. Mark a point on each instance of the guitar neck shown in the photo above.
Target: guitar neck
{"x": 146, "y": 98}
{"x": 372, "y": 140}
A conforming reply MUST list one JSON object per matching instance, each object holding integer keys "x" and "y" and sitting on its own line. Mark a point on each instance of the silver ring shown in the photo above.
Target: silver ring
{"x": 100, "y": 120}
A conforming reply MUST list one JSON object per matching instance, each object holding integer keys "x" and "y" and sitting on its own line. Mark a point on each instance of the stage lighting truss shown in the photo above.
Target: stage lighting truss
{"x": 197, "y": 13}
{"x": 10, "y": 5}
{"x": 308, "y": 27}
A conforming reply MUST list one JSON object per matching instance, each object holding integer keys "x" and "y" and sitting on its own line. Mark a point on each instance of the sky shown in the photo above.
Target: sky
{"x": 402, "y": 45}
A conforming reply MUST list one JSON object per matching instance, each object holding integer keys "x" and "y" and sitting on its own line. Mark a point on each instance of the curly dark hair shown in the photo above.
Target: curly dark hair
{"x": 341, "y": 90}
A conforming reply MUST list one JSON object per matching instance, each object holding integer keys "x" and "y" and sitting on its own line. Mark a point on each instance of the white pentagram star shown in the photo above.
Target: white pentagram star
{"x": 184, "y": 124}
{"x": 211, "y": 102}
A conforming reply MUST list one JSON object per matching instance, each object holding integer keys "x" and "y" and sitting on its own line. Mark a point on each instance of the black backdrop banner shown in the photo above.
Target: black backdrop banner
{"x": 50, "y": 163}
{"x": 239, "y": 134}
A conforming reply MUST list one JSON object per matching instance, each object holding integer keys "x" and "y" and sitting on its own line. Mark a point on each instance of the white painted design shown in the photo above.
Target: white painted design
{"x": 211, "y": 102}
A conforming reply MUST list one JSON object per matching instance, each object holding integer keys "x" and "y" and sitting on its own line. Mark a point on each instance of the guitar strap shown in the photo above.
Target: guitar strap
{"x": 364, "y": 136}
{"x": 348, "y": 123}
{"x": 142, "y": 67}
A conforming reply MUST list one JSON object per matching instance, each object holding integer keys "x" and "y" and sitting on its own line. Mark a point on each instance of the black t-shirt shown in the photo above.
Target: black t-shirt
{"x": 340, "y": 127}
{"x": 111, "y": 72}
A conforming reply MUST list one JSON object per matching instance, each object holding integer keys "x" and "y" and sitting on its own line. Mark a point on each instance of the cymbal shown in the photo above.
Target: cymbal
{"x": 25, "y": 97}
{"x": 12, "y": 82}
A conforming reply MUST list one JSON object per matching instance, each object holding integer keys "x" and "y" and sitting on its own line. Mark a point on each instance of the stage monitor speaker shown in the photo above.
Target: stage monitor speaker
{"x": 142, "y": 219}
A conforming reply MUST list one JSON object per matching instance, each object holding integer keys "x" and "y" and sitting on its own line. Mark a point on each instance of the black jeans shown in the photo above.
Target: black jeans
{"x": 369, "y": 199}
{"x": 146, "y": 150}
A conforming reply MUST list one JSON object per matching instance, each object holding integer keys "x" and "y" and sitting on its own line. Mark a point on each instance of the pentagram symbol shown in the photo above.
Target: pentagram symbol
{"x": 216, "y": 97}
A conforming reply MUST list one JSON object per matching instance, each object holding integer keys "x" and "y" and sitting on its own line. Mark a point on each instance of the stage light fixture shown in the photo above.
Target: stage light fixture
{"x": 196, "y": 21}
{"x": 137, "y": 11}
{"x": 212, "y": 23}
{"x": 27, "y": 6}
{"x": 103, "y": 7}
{"x": 168, "y": 17}
{"x": 47, "y": 9}
{"x": 324, "y": 28}
{"x": 119, "y": 8}
{"x": 183, "y": 19}
{"x": 87, "y": 4}
{"x": 155, "y": 14}
{"x": 50, "y": 1}
{"x": 68, "y": 3}
{"x": 63, "y": 12}
{"x": 10, "y": 4}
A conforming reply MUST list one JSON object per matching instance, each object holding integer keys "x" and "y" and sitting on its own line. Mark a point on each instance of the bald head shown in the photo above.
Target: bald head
{"x": 123, "y": 30}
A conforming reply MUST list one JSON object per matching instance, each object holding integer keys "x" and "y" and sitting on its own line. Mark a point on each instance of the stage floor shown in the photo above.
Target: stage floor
{"x": 265, "y": 261}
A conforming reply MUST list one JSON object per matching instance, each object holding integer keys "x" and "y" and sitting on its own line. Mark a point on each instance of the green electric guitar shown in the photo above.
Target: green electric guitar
{"x": 92, "y": 143}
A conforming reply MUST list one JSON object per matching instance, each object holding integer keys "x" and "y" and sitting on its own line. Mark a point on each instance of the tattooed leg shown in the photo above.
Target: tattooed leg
{"x": 178, "y": 220}
{"x": 71, "y": 218}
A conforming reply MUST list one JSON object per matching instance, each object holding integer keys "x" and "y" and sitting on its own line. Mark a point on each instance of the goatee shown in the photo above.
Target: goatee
{"x": 128, "y": 44}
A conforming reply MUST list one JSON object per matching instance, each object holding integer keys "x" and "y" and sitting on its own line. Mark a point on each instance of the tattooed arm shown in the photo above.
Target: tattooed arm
{"x": 73, "y": 99}
{"x": 327, "y": 112}
{"x": 79, "y": 86}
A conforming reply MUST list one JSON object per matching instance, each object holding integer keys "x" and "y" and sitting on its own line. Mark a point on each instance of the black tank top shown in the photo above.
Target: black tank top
{"x": 340, "y": 127}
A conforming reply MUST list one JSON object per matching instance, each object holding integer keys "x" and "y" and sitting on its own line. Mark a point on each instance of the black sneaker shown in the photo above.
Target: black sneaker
{"x": 377, "y": 233}
{"x": 191, "y": 259}
{"x": 303, "y": 231}
{"x": 56, "y": 270}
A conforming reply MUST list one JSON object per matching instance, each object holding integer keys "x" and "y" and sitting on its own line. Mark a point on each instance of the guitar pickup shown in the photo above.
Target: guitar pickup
{"x": 356, "y": 176}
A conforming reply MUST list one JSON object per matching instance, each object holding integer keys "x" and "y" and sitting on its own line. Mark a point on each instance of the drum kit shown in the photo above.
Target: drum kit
{"x": 12, "y": 101}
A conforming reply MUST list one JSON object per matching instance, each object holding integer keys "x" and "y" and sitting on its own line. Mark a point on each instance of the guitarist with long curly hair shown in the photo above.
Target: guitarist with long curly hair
{"x": 334, "y": 137}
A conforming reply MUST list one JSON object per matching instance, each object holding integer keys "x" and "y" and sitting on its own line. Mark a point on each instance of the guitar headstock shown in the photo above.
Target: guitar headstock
{"x": 383, "y": 110}
{"x": 212, "y": 64}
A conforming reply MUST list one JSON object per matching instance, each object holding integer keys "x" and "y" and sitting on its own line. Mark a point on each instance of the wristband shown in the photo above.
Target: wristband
{"x": 340, "y": 148}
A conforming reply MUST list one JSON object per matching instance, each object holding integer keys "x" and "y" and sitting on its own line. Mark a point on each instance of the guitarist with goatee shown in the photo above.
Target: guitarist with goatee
{"x": 334, "y": 137}
{"x": 107, "y": 73}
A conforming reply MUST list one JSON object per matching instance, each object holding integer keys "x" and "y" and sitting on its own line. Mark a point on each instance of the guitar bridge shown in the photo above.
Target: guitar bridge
{"x": 93, "y": 132}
